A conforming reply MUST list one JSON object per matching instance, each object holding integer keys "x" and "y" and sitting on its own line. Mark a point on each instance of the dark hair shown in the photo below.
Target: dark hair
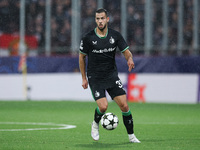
{"x": 101, "y": 10}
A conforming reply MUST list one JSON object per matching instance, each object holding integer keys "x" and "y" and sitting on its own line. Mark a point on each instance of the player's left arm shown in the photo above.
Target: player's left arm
{"x": 129, "y": 57}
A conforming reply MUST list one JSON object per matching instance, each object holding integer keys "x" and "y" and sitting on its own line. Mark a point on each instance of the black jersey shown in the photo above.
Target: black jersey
{"x": 101, "y": 52}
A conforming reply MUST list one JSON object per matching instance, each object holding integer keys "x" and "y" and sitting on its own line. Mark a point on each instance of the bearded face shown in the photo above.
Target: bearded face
{"x": 101, "y": 20}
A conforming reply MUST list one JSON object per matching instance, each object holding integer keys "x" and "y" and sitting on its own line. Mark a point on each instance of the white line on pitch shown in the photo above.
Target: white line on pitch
{"x": 60, "y": 126}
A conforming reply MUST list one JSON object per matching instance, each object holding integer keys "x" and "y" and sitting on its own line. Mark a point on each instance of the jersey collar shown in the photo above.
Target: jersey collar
{"x": 95, "y": 30}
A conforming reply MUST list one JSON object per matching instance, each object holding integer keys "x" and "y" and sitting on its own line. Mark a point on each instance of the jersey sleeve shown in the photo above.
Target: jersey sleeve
{"x": 83, "y": 46}
{"x": 122, "y": 45}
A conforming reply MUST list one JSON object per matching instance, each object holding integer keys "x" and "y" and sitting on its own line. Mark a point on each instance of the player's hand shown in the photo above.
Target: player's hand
{"x": 85, "y": 83}
{"x": 131, "y": 64}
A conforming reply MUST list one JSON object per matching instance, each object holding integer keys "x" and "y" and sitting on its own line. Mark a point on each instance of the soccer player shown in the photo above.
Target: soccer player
{"x": 100, "y": 45}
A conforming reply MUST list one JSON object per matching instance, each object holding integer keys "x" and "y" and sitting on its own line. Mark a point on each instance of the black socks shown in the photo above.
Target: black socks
{"x": 97, "y": 115}
{"x": 128, "y": 121}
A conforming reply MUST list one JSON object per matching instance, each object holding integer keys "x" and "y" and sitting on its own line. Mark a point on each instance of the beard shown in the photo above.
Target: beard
{"x": 101, "y": 29}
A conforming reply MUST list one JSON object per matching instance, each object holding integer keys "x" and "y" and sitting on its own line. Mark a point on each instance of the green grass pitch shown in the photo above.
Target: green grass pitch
{"x": 157, "y": 126}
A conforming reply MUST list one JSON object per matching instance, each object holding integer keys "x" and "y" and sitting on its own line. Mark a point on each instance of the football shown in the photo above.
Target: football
{"x": 109, "y": 121}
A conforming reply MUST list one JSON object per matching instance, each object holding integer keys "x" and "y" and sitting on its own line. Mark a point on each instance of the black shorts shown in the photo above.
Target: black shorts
{"x": 113, "y": 86}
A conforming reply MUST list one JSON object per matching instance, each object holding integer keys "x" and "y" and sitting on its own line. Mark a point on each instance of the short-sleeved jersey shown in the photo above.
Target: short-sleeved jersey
{"x": 101, "y": 52}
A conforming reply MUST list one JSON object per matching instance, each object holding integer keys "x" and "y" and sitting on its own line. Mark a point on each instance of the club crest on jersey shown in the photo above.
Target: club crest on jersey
{"x": 94, "y": 42}
{"x": 112, "y": 41}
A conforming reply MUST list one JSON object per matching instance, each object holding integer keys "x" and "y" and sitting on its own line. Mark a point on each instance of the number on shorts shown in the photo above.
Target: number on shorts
{"x": 119, "y": 83}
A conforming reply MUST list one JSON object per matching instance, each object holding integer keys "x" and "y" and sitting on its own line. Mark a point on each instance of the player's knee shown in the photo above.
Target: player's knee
{"x": 124, "y": 107}
{"x": 103, "y": 108}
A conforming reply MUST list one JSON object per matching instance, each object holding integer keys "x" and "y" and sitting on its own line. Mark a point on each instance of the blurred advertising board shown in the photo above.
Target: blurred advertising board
{"x": 163, "y": 88}
{"x": 149, "y": 88}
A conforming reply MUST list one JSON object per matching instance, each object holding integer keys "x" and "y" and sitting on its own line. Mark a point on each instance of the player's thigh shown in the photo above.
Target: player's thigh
{"x": 122, "y": 102}
{"x": 102, "y": 104}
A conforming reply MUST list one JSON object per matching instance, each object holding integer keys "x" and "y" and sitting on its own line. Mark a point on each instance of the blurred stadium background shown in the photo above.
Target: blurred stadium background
{"x": 151, "y": 27}
{"x": 163, "y": 36}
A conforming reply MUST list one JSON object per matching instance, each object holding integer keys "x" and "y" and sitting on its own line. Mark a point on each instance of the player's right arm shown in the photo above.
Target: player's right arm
{"x": 82, "y": 66}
